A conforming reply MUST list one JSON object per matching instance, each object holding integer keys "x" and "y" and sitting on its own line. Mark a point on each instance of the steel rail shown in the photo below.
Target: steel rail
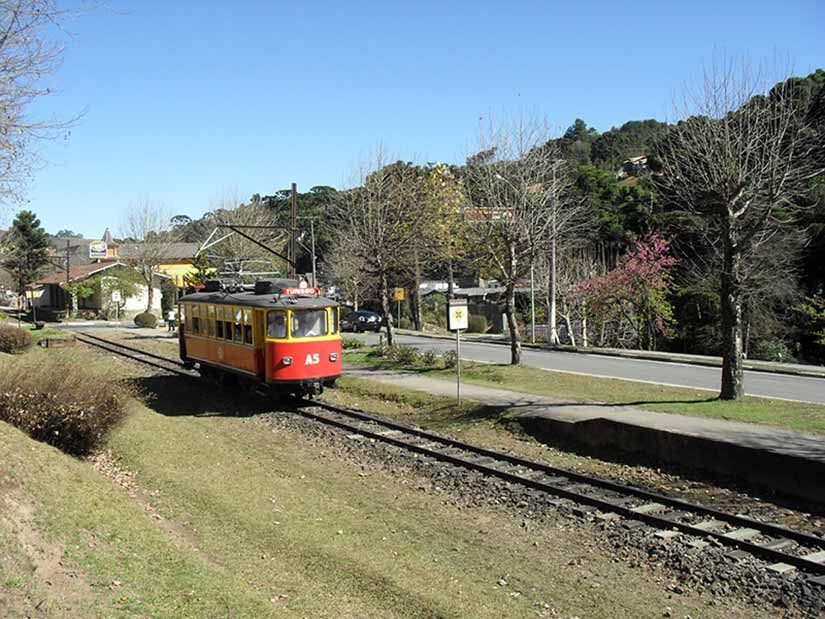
{"x": 661, "y": 522}
{"x": 578, "y": 496}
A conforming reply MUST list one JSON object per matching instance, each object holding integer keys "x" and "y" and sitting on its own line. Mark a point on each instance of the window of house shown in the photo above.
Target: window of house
{"x": 276, "y": 324}
{"x": 309, "y": 323}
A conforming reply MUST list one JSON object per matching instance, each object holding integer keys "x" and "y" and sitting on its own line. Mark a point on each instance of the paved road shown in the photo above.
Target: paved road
{"x": 661, "y": 372}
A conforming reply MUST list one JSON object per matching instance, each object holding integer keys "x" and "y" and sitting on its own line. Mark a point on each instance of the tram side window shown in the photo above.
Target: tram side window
{"x": 196, "y": 319}
{"x": 237, "y": 325}
{"x": 210, "y": 321}
{"x": 309, "y": 323}
{"x": 247, "y": 326}
{"x": 334, "y": 324}
{"x": 276, "y": 324}
{"x": 219, "y": 322}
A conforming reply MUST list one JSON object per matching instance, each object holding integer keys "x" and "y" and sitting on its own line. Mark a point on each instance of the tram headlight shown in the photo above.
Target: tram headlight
{"x": 286, "y": 360}
{"x": 333, "y": 356}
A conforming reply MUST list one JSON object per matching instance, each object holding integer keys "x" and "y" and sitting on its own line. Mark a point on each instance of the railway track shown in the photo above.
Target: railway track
{"x": 166, "y": 364}
{"x": 784, "y": 549}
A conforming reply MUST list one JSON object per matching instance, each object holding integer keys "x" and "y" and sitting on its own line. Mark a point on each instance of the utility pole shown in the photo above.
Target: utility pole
{"x": 532, "y": 306}
{"x": 293, "y": 230}
{"x": 312, "y": 233}
{"x": 68, "y": 265}
{"x": 312, "y": 219}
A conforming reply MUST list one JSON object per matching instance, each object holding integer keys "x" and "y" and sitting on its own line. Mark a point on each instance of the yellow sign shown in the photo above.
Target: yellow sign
{"x": 398, "y": 294}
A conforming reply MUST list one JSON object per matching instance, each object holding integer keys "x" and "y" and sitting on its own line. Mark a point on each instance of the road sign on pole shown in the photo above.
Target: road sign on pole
{"x": 457, "y": 320}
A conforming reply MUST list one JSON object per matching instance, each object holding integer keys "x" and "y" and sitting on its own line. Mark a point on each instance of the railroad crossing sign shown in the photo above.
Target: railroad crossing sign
{"x": 457, "y": 315}
{"x": 398, "y": 294}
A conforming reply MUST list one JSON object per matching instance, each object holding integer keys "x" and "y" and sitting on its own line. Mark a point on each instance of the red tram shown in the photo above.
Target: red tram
{"x": 278, "y": 334}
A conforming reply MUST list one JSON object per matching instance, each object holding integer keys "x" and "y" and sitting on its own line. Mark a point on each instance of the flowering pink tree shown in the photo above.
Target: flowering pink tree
{"x": 633, "y": 296}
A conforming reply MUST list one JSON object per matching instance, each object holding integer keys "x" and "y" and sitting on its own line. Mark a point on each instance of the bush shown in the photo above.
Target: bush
{"x": 146, "y": 319}
{"x": 14, "y": 339}
{"x": 476, "y": 324}
{"x": 450, "y": 359}
{"x": 62, "y": 398}
{"x": 3, "y": 316}
{"x": 772, "y": 349}
{"x": 429, "y": 358}
{"x": 406, "y": 355}
{"x": 349, "y": 343}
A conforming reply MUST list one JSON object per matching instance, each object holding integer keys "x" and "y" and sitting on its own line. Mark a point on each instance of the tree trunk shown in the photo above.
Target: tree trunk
{"x": 584, "y": 324}
{"x": 450, "y": 278}
{"x": 416, "y": 296}
{"x": 385, "y": 307}
{"x": 733, "y": 387}
{"x": 150, "y": 293}
{"x": 355, "y": 298}
{"x": 510, "y": 308}
{"x": 512, "y": 325}
{"x": 553, "y": 334}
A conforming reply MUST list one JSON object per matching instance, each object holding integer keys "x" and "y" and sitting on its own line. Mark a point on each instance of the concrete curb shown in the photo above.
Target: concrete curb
{"x": 808, "y": 371}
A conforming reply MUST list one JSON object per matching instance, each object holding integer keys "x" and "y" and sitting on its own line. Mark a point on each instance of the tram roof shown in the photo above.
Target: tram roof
{"x": 250, "y": 299}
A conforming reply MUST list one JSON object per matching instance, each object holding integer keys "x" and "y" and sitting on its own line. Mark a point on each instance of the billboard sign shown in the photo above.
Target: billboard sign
{"x": 98, "y": 249}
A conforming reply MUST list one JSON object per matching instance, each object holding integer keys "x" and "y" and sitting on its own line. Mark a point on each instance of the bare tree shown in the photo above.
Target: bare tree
{"x": 743, "y": 157}
{"x": 147, "y": 227}
{"x": 26, "y": 56}
{"x": 379, "y": 218}
{"x": 516, "y": 187}
{"x": 348, "y": 270}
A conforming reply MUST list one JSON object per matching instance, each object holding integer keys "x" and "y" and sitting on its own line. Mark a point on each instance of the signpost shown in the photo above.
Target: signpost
{"x": 398, "y": 295}
{"x": 457, "y": 319}
{"x": 116, "y": 300}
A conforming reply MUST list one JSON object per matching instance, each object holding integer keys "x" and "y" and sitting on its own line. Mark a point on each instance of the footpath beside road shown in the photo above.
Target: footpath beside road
{"x": 793, "y": 369}
{"x": 784, "y": 461}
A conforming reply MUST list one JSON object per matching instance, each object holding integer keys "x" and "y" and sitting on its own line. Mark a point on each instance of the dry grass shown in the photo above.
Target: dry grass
{"x": 63, "y": 398}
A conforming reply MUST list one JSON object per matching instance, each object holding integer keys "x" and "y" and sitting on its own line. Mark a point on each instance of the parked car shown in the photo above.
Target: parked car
{"x": 362, "y": 320}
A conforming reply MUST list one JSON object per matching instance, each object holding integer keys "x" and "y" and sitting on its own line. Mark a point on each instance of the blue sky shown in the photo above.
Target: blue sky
{"x": 187, "y": 99}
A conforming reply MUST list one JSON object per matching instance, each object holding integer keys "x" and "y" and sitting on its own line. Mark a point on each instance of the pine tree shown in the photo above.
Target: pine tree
{"x": 28, "y": 250}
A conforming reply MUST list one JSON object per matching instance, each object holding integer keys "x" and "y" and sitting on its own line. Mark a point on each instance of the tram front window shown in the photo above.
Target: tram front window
{"x": 311, "y": 323}
{"x": 276, "y": 324}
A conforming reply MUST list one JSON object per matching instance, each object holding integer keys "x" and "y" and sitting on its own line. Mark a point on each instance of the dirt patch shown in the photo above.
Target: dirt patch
{"x": 107, "y": 465}
{"x": 66, "y": 593}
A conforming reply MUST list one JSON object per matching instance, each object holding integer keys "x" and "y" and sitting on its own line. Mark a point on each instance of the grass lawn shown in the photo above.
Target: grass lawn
{"x": 226, "y": 518}
{"x": 572, "y": 387}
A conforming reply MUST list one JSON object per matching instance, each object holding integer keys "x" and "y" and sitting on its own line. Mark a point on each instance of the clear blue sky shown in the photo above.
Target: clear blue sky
{"x": 187, "y": 98}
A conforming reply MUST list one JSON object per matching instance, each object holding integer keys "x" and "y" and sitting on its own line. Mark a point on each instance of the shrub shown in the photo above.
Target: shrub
{"x": 146, "y": 319}
{"x": 476, "y": 324}
{"x": 406, "y": 355}
{"x": 772, "y": 349}
{"x": 405, "y": 323}
{"x": 349, "y": 343}
{"x": 14, "y": 339}
{"x": 429, "y": 358}
{"x": 3, "y": 317}
{"x": 62, "y": 398}
{"x": 450, "y": 359}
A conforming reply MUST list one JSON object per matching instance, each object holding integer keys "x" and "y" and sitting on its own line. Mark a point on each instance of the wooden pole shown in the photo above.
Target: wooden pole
{"x": 293, "y": 231}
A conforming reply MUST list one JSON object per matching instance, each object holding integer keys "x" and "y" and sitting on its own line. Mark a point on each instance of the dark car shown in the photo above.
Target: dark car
{"x": 361, "y": 320}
